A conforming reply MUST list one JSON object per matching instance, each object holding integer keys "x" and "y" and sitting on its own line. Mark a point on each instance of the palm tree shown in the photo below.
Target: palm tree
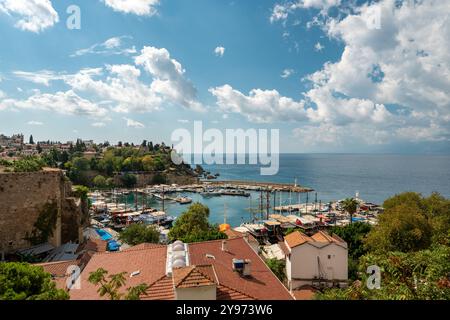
{"x": 350, "y": 205}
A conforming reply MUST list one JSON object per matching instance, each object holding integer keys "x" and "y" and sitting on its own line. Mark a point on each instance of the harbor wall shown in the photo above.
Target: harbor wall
{"x": 36, "y": 204}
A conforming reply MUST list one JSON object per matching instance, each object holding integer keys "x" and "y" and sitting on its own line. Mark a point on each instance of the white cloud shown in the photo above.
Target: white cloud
{"x": 259, "y": 105}
{"x": 35, "y": 123}
{"x": 98, "y": 124}
{"x": 112, "y": 46}
{"x": 122, "y": 88}
{"x": 402, "y": 65}
{"x": 68, "y": 103}
{"x": 138, "y": 7}
{"x": 30, "y": 15}
{"x": 134, "y": 124}
{"x": 39, "y": 77}
{"x": 219, "y": 51}
{"x": 281, "y": 12}
{"x": 287, "y": 73}
{"x": 169, "y": 79}
{"x": 183, "y": 121}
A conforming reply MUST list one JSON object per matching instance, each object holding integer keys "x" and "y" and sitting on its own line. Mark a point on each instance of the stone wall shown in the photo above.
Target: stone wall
{"x": 23, "y": 199}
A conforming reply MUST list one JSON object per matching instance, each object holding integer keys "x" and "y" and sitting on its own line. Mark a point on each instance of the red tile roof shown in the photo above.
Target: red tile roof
{"x": 262, "y": 284}
{"x": 145, "y": 246}
{"x": 59, "y": 268}
{"x": 193, "y": 276}
{"x": 150, "y": 262}
{"x": 305, "y": 292}
{"x": 297, "y": 238}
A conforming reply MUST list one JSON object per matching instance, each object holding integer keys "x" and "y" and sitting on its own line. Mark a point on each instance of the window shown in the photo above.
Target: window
{"x": 329, "y": 256}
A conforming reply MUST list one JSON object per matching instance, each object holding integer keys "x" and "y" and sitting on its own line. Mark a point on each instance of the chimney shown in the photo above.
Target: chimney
{"x": 224, "y": 246}
{"x": 247, "y": 268}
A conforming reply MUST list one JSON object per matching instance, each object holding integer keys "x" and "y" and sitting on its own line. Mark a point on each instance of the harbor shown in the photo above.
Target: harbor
{"x": 264, "y": 210}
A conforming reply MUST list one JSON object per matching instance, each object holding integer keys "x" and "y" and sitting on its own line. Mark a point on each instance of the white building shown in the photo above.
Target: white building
{"x": 319, "y": 260}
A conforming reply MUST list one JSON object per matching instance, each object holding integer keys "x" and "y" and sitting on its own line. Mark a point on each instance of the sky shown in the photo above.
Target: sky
{"x": 331, "y": 75}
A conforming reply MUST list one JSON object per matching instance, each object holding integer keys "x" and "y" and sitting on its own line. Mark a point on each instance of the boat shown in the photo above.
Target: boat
{"x": 258, "y": 231}
{"x": 183, "y": 200}
{"x": 240, "y": 193}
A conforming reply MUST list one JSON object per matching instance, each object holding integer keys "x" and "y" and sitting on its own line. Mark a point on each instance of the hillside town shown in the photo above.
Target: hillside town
{"x": 81, "y": 224}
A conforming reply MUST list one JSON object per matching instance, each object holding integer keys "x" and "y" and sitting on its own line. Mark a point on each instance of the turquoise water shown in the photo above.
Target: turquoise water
{"x": 333, "y": 176}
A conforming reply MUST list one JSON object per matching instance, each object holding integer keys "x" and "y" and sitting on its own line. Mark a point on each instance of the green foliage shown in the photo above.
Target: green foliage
{"x": 110, "y": 285}
{"x": 159, "y": 179}
{"x": 354, "y": 235}
{"x": 351, "y": 206}
{"x": 410, "y": 244}
{"x": 411, "y": 222}
{"x": 28, "y": 164}
{"x": 193, "y": 226}
{"x": 22, "y": 281}
{"x": 129, "y": 180}
{"x": 139, "y": 233}
{"x": 99, "y": 181}
{"x": 81, "y": 192}
{"x": 420, "y": 275}
{"x": 44, "y": 225}
{"x": 77, "y": 168}
{"x": 278, "y": 267}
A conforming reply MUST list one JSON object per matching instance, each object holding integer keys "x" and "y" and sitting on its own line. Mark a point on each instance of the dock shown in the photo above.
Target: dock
{"x": 258, "y": 186}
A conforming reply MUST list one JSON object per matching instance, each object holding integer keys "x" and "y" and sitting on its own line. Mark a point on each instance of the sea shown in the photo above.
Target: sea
{"x": 374, "y": 177}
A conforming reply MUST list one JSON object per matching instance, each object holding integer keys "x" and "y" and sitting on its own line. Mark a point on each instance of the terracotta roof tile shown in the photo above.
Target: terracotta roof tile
{"x": 150, "y": 262}
{"x": 59, "y": 268}
{"x": 296, "y": 238}
{"x": 262, "y": 284}
{"x": 193, "y": 276}
{"x": 145, "y": 246}
{"x": 305, "y": 292}
{"x": 162, "y": 289}
{"x": 226, "y": 293}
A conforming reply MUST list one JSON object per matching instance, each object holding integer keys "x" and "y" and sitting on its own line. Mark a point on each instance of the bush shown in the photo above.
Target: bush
{"x": 22, "y": 281}
{"x": 139, "y": 233}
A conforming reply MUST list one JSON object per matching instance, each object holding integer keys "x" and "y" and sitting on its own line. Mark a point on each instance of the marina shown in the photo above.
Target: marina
{"x": 264, "y": 210}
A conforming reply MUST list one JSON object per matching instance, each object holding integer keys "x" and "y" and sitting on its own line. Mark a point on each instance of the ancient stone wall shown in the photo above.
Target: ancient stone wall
{"x": 26, "y": 200}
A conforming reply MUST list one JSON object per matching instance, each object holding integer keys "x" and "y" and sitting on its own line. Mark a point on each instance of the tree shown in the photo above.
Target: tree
{"x": 100, "y": 181}
{"x": 147, "y": 163}
{"x": 110, "y": 285}
{"x": 403, "y": 226}
{"x": 350, "y": 205}
{"x": 22, "y": 281}
{"x": 421, "y": 275}
{"x": 31, "y": 140}
{"x": 150, "y": 146}
{"x": 129, "y": 180}
{"x": 278, "y": 267}
{"x": 354, "y": 235}
{"x": 193, "y": 226}
{"x": 139, "y": 233}
{"x": 28, "y": 164}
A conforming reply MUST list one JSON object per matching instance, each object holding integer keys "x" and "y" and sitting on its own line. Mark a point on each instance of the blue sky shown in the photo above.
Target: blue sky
{"x": 318, "y": 70}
